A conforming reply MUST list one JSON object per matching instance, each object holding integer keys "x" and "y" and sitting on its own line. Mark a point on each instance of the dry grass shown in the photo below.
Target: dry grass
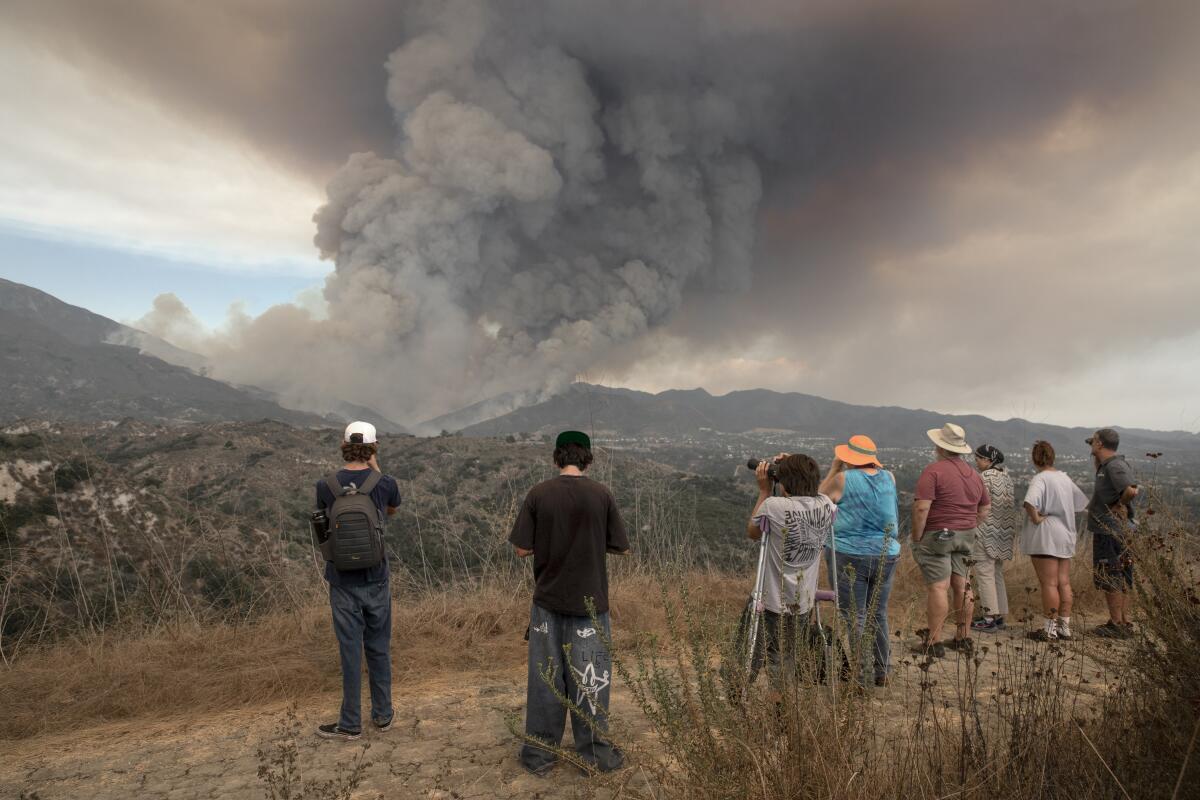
{"x": 1022, "y": 722}
{"x": 1092, "y": 718}
{"x": 187, "y": 668}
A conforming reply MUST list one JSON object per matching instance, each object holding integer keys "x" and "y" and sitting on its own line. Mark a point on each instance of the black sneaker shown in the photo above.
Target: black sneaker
{"x": 332, "y": 731}
{"x": 1040, "y": 635}
{"x": 384, "y": 726}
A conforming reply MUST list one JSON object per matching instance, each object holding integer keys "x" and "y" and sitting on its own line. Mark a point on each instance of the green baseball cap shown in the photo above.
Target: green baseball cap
{"x": 573, "y": 437}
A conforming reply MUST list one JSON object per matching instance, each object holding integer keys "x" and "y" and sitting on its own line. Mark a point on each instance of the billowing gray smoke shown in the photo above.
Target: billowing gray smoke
{"x": 529, "y": 220}
{"x": 567, "y": 176}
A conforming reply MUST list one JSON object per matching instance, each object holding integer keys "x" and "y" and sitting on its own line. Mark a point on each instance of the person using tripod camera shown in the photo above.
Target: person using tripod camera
{"x": 796, "y": 524}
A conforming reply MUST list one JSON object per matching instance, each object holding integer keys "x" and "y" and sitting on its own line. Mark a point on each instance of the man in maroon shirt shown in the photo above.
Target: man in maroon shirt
{"x": 949, "y": 503}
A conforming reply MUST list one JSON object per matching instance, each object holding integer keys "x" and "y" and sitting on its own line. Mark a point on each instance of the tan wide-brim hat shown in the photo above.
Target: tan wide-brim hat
{"x": 950, "y": 437}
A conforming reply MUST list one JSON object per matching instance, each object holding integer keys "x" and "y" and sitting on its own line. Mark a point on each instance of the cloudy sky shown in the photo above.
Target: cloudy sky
{"x": 982, "y": 208}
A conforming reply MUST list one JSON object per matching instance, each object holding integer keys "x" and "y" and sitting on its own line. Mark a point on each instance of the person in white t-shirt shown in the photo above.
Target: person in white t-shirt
{"x": 1049, "y": 537}
{"x": 797, "y": 525}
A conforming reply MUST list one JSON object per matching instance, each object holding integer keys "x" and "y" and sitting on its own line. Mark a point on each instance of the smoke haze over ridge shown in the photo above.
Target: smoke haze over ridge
{"x": 668, "y": 193}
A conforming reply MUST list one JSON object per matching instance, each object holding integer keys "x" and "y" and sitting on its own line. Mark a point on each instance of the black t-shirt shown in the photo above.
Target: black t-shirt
{"x": 569, "y": 523}
{"x": 386, "y": 493}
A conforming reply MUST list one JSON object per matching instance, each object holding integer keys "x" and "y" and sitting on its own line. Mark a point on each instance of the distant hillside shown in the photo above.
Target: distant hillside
{"x": 50, "y": 377}
{"x": 629, "y": 413}
{"x": 63, "y": 362}
{"x": 215, "y": 515}
{"x": 82, "y": 327}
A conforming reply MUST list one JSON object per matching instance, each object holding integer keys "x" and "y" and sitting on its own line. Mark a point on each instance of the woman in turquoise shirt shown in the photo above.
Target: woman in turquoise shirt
{"x": 865, "y": 548}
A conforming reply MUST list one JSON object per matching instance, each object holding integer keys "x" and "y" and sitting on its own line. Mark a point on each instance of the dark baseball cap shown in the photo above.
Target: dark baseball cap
{"x": 573, "y": 437}
{"x": 1108, "y": 437}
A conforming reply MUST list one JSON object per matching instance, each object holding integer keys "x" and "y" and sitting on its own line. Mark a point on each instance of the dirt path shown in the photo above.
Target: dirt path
{"x": 450, "y": 741}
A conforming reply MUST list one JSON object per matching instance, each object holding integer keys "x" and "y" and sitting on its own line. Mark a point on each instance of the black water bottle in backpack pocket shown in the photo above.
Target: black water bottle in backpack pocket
{"x": 355, "y": 526}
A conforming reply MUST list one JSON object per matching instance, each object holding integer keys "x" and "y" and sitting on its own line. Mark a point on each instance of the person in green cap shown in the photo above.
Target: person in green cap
{"x": 568, "y": 524}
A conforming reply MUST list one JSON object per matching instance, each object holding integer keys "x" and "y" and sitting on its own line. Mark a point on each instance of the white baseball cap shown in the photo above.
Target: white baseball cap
{"x": 363, "y": 432}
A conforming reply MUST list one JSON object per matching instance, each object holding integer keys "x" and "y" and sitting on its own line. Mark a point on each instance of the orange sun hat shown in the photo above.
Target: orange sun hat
{"x": 859, "y": 452}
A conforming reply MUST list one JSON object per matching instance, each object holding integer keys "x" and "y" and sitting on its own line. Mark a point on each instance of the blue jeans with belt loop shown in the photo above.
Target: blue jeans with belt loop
{"x": 362, "y": 622}
{"x": 864, "y": 584}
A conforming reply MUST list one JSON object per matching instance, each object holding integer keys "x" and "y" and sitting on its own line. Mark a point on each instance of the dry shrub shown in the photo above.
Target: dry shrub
{"x": 1015, "y": 719}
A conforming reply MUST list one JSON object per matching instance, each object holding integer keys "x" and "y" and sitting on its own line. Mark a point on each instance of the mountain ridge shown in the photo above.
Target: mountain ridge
{"x": 65, "y": 362}
{"x": 679, "y": 412}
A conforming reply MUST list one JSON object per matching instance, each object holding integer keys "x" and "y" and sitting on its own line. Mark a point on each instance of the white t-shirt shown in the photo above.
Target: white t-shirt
{"x": 796, "y": 529}
{"x": 1058, "y": 499}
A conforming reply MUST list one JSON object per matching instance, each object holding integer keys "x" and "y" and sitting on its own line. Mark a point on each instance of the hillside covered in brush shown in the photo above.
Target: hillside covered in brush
{"x": 108, "y": 521}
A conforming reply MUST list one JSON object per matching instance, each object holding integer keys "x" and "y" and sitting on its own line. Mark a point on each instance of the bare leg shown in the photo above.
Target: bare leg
{"x": 964, "y": 605}
{"x": 1116, "y": 606}
{"x": 1047, "y": 575}
{"x": 937, "y": 606}
{"x": 1066, "y": 596}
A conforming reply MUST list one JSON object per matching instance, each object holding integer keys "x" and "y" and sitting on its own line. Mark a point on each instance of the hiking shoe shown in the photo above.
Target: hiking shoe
{"x": 1111, "y": 630}
{"x": 882, "y": 681}
{"x": 1040, "y": 635}
{"x": 332, "y": 731}
{"x": 384, "y": 726}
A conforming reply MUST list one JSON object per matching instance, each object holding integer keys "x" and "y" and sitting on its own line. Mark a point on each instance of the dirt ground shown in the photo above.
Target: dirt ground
{"x": 450, "y": 740}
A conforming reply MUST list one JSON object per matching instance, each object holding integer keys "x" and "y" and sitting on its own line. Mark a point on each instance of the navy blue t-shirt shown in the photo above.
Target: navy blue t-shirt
{"x": 386, "y": 493}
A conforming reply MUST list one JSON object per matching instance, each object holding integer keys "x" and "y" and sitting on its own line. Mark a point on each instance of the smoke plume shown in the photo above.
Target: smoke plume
{"x": 685, "y": 187}
{"x": 529, "y": 221}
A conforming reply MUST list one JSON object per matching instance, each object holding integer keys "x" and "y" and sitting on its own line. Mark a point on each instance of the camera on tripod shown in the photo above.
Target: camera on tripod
{"x": 772, "y": 469}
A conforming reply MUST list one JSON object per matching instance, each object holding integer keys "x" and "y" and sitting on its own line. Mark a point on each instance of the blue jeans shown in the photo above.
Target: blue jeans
{"x": 362, "y": 621}
{"x": 864, "y": 584}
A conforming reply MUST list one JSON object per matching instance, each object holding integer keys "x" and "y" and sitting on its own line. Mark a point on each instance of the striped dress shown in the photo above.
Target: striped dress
{"x": 999, "y": 529}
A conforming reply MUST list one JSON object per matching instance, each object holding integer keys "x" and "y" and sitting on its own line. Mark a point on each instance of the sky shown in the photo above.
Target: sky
{"x": 974, "y": 209}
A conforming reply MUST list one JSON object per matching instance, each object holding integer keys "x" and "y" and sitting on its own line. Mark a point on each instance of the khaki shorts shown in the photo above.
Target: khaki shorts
{"x": 941, "y": 553}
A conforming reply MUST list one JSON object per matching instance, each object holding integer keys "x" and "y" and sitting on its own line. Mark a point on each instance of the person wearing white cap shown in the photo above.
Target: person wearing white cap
{"x": 949, "y": 504}
{"x": 361, "y": 599}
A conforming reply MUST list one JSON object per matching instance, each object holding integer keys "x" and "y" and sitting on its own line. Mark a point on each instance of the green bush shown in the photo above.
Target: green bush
{"x": 46, "y": 506}
{"x": 19, "y": 441}
{"x": 14, "y": 515}
{"x": 70, "y": 474}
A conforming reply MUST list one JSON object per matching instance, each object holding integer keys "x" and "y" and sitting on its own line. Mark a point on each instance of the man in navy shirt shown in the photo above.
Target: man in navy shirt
{"x": 361, "y": 599}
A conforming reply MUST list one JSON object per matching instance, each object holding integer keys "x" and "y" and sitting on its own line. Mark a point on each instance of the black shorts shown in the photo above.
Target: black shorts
{"x": 1112, "y": 566}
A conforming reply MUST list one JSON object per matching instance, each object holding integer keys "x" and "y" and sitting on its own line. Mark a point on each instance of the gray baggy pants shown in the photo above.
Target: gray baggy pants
{"x": 570, "y": 653}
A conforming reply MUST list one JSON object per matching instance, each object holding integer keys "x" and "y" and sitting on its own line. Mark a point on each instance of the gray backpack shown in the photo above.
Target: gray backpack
{"x": 355, "y": 526}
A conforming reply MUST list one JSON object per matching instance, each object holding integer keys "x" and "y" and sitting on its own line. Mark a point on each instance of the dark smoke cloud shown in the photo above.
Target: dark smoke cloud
{"x": 300, "y": 80}
{"x": 539, "y": 189}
